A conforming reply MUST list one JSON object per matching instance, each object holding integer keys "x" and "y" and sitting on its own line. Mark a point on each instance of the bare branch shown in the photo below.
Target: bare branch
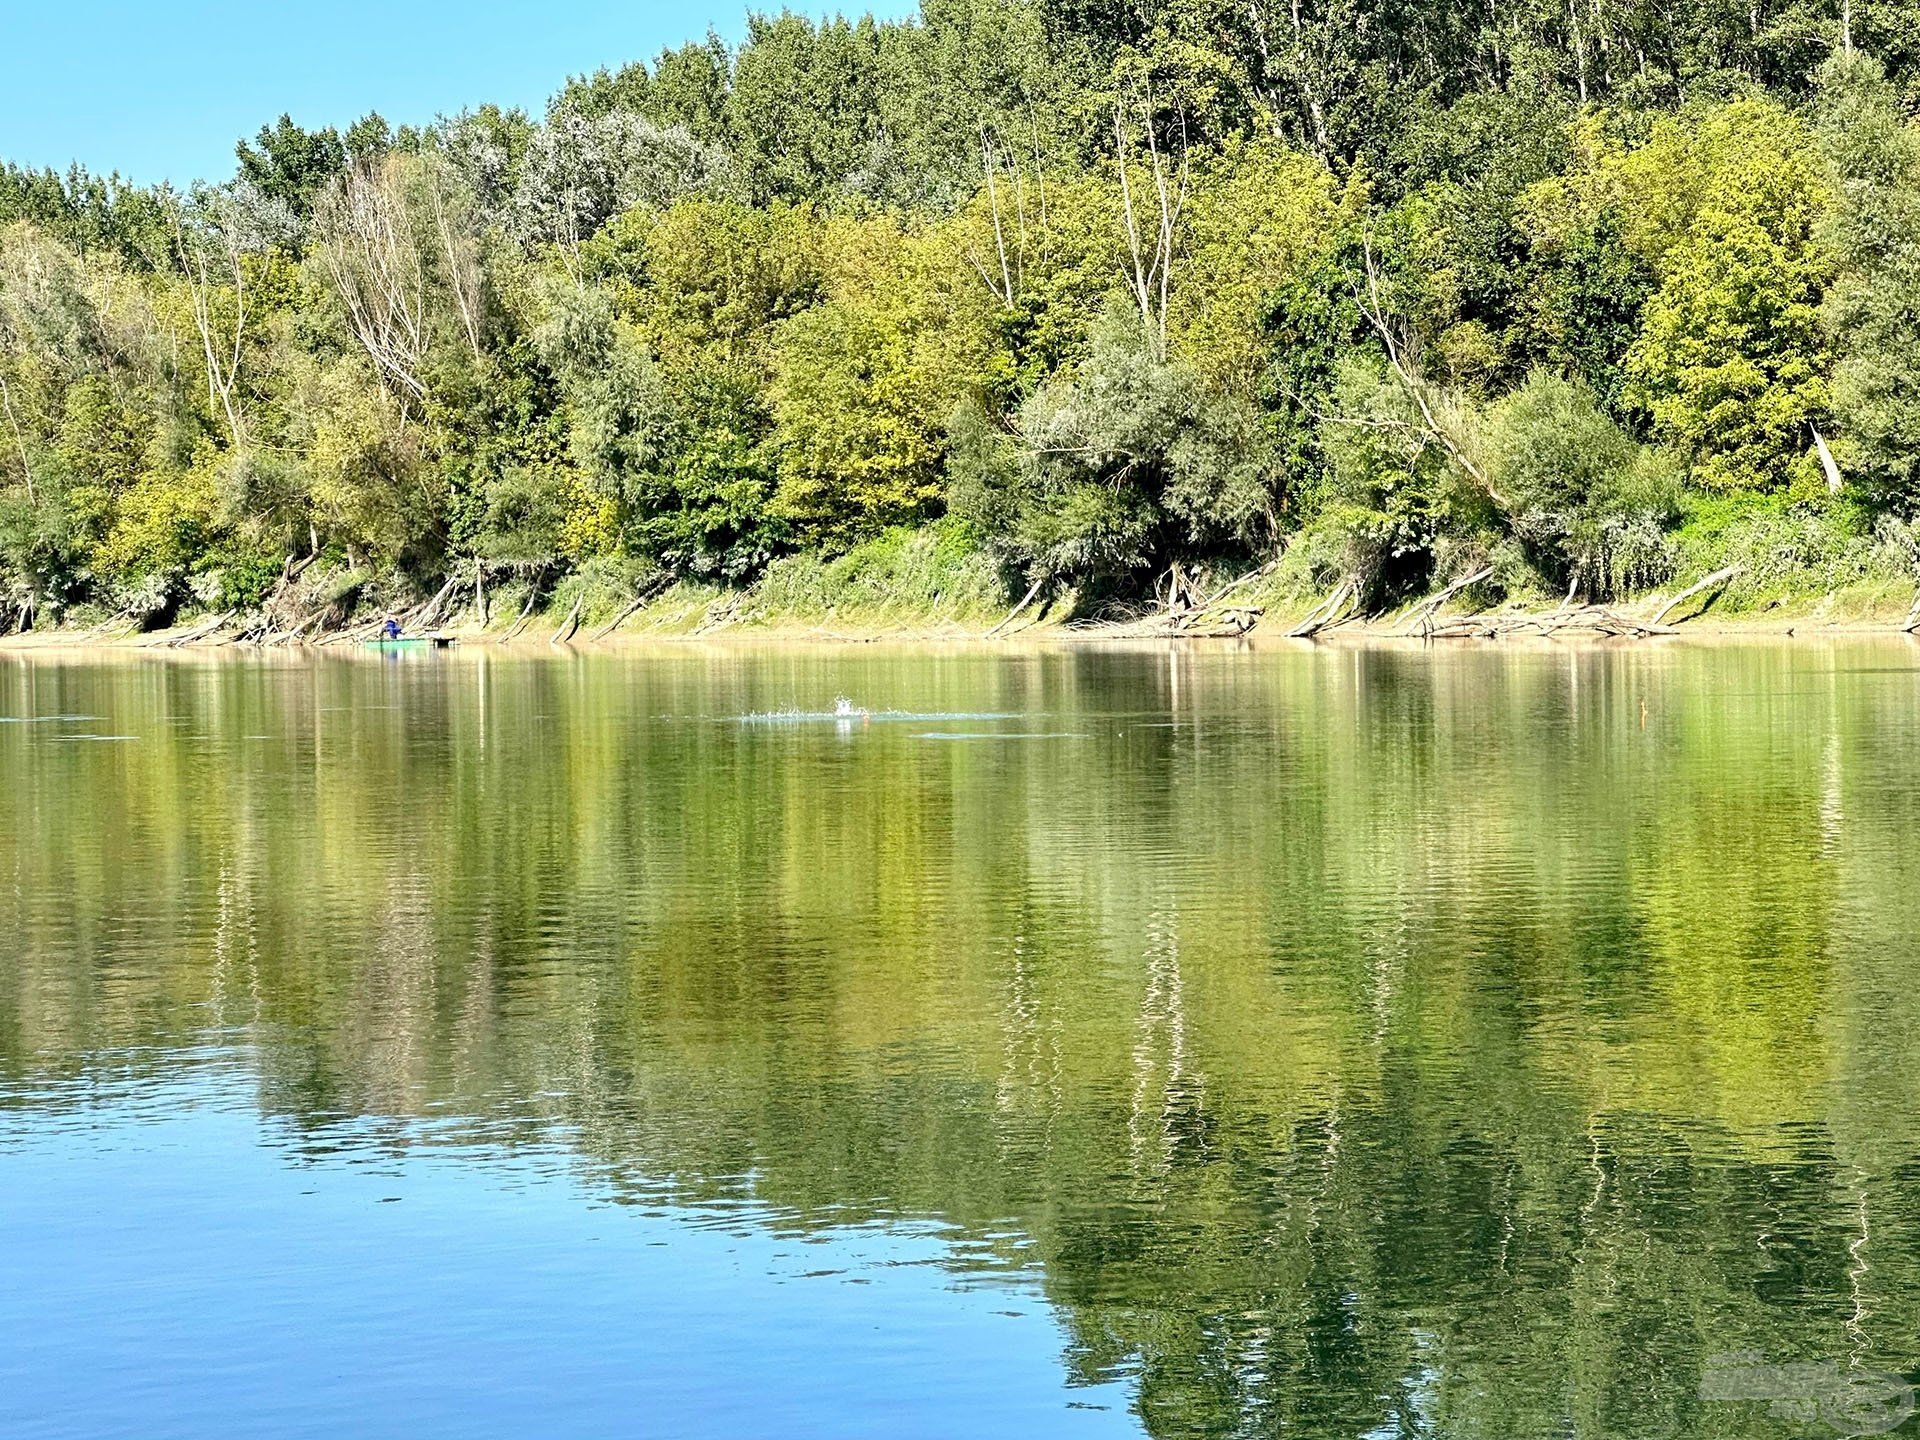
{"x": 1411, "y": 381}
{"x": 1150, "y": 277}
{"x": 19, "y": 437}
{"x": 990, "y": 164}
{"x": 220, "y": 353}
{"x": 368, "y": 250}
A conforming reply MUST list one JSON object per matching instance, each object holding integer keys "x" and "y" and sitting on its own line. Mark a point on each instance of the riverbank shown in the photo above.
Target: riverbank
{"x": 693, "y": 612}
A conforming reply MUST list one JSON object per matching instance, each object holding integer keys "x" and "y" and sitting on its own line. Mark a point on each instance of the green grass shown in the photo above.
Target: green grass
{"x": 935, "y": 575}
{"x": 932, "y": 577}
{"x": 1798, "y": 555}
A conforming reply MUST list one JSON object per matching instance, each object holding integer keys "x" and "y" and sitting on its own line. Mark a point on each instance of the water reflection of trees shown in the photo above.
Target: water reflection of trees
{"x": 1362, "y": 1042}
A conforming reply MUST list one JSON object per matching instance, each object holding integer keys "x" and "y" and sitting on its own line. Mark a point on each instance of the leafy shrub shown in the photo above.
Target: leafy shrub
{"x": 1786, "y": 546}
{"x": 1586, "y": 503}
{"x": 1112, "y": 467}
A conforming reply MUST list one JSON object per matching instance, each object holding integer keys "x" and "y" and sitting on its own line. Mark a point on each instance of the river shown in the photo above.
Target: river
{"x": 1072, "y": 1040}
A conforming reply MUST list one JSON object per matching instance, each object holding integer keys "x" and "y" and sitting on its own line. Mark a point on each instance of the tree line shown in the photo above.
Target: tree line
{"x": 1585, "y": 296}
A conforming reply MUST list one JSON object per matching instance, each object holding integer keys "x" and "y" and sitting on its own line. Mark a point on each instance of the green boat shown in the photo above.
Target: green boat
{"x": 409, "y": 642}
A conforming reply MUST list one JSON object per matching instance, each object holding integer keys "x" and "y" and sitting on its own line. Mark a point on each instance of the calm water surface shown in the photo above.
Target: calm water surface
{"x": 1091, "y": 1042}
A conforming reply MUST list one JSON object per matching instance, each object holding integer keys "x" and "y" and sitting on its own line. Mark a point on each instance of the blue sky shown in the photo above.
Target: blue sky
{"x": 162, "y": 91}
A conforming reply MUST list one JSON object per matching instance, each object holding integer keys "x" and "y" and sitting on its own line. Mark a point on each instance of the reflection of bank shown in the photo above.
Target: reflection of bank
{"x": 1852, "y": 1402}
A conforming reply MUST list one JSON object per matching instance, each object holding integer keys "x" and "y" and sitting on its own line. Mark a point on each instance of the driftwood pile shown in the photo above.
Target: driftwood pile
{"x": 1191, "y": 613}
{"x": 289, "y": 617}
{"x": 721, "y": 613}
{"x": 1424, "y": 620}
{"x": 1583, "y": 619}
{"x": 1185, "y": 609}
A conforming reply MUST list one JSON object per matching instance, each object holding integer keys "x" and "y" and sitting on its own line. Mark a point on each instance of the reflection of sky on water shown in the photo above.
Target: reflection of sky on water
{"x": 176, "y": 1267}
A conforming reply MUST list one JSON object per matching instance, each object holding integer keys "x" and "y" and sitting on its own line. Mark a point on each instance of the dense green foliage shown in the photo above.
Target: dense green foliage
{"x": 1571, "y": 292}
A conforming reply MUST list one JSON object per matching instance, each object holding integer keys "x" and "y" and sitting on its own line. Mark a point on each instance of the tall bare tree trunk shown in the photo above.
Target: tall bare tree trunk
{"x": 1150, "y": 271}
{"x": 19, "y": 438}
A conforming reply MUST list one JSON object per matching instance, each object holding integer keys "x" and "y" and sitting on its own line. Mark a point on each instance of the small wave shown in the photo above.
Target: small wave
{"x": 918, "y": 717}
{"x": 1000, "y": 735}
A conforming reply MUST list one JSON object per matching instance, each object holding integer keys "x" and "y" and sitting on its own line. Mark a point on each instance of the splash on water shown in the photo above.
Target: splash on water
{"x": 844, "y": 710}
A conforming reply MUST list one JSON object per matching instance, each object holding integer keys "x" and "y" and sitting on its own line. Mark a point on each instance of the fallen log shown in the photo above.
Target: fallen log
{"x": 641, "y": 597}
{"x": 721, "y": 614}
{"x": 1234, "y": 621}
{"x": 353, "y": 634}
{"x": 1025, "y": 600}
{"x": 119, "y": 617}
{"x": 198, "y": 633}
{"x": 525, "y": 617}
{"x": 1235, "y": 583}
{"x": 296, "y": 633}
{"x": 571, "y": 623}
{"x": 1718, "y": 577}
{"x": 425, "y": 616}
{"x": 1227, "y": 623}
{"x": 1595, "y": 619}
{"x": 1426, "y": 609}
{"x": 1323, "y": 614}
